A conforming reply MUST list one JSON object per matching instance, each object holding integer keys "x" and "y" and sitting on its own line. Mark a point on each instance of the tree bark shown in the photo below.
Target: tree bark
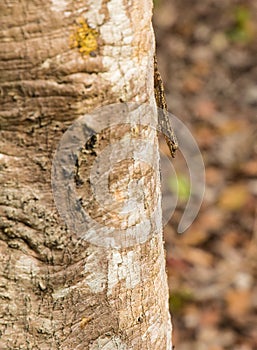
{"x": 59, "y": 290}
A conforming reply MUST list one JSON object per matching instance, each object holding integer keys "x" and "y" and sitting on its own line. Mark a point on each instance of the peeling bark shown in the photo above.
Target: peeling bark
{"x": 58, "y": 61}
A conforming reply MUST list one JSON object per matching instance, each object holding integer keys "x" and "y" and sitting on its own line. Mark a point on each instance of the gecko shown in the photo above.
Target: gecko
{"x": 163, "y": 117}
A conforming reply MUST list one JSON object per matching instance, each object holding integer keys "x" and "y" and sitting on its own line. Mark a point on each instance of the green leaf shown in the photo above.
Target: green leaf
{"x": 178, "y": 299}
{"x": 242, "y": 29}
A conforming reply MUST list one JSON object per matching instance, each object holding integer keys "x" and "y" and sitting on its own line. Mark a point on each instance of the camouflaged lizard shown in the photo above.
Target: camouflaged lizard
{"x": 163, "y": 117}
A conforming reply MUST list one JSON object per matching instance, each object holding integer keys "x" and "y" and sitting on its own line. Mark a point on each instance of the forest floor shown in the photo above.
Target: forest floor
{"x": 207, "y": 54}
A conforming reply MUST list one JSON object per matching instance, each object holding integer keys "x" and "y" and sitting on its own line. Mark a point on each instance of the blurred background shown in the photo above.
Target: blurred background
{"x": 207, "y": 54}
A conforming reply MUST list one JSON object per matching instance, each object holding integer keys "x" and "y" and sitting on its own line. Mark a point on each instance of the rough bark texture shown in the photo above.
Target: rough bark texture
{"x": 58, "y": 61}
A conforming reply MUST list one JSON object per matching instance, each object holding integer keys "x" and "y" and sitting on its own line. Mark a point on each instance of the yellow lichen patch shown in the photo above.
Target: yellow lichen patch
{"x": 84, "y": 38}
{"x": 85, "y": 321}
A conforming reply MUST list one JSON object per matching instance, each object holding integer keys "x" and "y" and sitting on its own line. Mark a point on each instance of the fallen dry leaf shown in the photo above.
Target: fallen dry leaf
{"x": 238, "y": 302}
{"x": 233, "y": 197}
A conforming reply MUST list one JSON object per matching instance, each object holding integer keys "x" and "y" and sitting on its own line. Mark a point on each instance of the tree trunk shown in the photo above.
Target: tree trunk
{"x": 61, "y": 287}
